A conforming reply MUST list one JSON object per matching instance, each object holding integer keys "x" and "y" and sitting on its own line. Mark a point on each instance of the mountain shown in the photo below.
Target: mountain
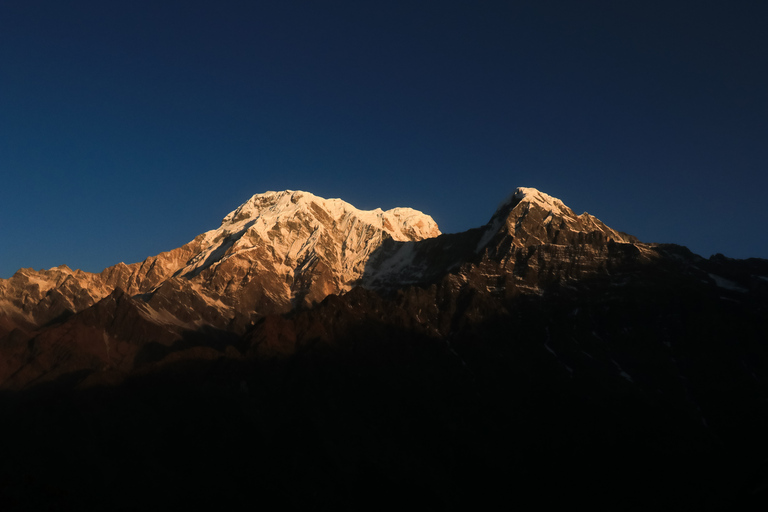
{"x": 319, "y": 355}
{"x": 274, "y": 252}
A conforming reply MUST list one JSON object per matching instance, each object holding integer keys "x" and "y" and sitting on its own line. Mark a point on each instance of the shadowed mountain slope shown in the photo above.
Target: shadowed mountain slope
{"x": 307, "y": 354}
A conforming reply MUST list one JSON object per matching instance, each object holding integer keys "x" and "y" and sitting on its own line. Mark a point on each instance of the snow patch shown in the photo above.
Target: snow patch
{"x": 400, "y": 261}
{"x": 622, "y": 372}
{"x": 490, "y": 231}
{"x": 726, "y": 284}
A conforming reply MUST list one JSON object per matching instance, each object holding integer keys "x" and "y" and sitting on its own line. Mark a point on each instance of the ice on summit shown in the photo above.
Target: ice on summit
{"x": 533, "y": 195}
{"x": 272, "y": 207}
{"x": 295, "y": 227}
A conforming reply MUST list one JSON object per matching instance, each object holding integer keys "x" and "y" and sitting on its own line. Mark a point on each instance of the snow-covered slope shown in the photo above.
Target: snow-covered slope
{"x": 279, "y": 249}
{"x": 299, "y": 226}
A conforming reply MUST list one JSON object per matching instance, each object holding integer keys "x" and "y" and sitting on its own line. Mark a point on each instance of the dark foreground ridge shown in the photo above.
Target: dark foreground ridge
{"x": 541, "y": 357}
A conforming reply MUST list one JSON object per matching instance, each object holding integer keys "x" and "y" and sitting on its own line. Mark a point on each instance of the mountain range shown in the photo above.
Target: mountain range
{"x": 315, "y": 354}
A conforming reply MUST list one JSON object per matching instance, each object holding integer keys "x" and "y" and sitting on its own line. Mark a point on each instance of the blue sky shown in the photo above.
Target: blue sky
{"x": 129, "y": 127}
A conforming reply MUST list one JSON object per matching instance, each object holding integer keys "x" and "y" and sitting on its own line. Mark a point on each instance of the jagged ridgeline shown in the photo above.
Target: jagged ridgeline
{"x": 363, "y": 353}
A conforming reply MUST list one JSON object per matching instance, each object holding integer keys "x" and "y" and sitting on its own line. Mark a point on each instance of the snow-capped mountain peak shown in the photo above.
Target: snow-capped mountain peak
{"x": 532, "y": 195}
{"x": 273, "y": 207}
{"x": 281, "y": 247}
{"x": 293, "y": 223}
{"x": 530, "y": 216}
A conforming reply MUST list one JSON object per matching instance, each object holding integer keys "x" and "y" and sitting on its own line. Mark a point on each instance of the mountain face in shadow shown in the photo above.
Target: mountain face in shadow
{"x": 307, "y": 354}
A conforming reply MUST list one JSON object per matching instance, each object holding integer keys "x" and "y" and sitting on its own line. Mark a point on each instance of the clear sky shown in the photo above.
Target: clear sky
{"x": 129, "y": 127}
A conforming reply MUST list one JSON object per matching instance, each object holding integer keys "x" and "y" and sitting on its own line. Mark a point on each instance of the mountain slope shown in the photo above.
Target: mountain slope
{"x": 345, "y": 355}
{"x": 282, "y": 250}
{"x": 277, "y": 250}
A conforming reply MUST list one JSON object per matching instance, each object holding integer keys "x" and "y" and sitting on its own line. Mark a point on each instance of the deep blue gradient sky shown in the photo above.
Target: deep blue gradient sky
{"x": 129, "y": 127}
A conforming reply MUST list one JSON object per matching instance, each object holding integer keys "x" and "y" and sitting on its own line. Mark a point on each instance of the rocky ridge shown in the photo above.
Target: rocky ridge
{"x": 366, "y": 352}
{"x": 280, "y": 251}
